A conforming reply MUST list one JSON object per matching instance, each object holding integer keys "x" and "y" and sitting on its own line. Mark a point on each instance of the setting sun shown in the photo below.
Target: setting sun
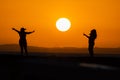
{"x": 63, "y": 24}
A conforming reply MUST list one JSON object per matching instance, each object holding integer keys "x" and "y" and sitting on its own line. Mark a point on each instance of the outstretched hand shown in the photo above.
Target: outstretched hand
{"x": 33, "y": 31}
{"x": 84, "y": 34}
{"x": 13, "y": 28}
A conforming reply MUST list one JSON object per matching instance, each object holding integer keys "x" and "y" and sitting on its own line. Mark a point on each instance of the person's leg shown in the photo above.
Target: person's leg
{"x": 91, "y": 50}
{"x": 21, "y": 47}
{"x": 25, "y": 47}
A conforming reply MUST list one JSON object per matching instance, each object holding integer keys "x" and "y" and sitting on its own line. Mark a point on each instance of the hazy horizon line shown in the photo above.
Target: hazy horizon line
{"x": 55, "y": 47}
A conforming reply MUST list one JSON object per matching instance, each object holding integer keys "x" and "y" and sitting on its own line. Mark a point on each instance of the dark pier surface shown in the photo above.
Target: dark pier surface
{"x": 17, "y": 67}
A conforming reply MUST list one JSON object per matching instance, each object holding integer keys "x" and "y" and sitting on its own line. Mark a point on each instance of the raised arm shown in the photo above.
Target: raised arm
{"x": 86, "y": 35}
{"x": 30, "y": 32}
{"x": 15, "y": 30}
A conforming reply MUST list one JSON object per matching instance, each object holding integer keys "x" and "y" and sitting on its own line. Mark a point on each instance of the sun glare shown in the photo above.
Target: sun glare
{"x": 63, "y": 24}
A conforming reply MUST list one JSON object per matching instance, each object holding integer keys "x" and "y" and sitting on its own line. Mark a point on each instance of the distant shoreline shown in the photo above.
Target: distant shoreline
{"x": 66, "y": 50}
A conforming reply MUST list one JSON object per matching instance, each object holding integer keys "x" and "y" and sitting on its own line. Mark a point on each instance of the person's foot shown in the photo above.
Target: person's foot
{"x": 26, "y": 54}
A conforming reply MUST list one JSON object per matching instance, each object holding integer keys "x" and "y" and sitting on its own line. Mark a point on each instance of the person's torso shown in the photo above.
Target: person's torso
{"x": 22, "y": 36}
{"x": 91, "y": 40}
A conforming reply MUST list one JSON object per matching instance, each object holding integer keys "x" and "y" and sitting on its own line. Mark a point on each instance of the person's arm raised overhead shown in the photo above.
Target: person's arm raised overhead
{"x": 15, "y": 30}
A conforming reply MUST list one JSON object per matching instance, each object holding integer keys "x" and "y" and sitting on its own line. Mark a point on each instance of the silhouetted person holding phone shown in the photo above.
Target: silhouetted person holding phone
{"x": 91, "y": 41}
{"x": 22, "y": 40}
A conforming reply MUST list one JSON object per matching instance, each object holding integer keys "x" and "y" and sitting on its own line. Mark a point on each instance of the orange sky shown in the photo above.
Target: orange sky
{"x": 41, "y": 16}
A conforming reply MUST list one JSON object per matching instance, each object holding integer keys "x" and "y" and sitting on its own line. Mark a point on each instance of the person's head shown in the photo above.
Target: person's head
{"x": 93, "y": 33}
{"x": 22, "y": 29}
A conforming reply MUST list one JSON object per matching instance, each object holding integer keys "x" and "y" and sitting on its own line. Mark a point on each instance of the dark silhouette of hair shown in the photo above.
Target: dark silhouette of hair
{"x": 92, "y": 37}
{"x": 22, "y": 40}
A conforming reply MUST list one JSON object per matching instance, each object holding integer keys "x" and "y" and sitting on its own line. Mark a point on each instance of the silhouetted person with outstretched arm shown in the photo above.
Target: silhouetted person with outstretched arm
{"x": 22, "y": 40}
{"x": 91, "y": 41}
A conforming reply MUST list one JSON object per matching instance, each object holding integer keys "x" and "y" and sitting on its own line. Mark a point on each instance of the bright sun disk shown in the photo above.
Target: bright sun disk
{"x": 63, "y": 24}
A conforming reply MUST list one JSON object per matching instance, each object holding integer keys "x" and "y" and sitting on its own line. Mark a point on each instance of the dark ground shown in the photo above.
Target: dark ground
{"x": 16, "y": 67}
